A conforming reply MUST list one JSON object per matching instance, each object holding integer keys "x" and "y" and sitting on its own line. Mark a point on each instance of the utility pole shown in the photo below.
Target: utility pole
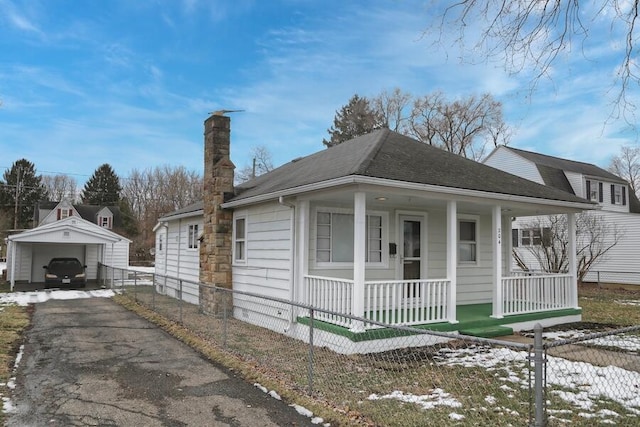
{"x": 15, "y": 209}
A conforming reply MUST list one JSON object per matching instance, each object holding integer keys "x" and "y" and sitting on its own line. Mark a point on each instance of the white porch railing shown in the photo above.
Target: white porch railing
{"x": 332, "y": 294}
{"x": 407, "y": 302}
{"x": 402, "y": 302}
{"x": 528, "y": 294}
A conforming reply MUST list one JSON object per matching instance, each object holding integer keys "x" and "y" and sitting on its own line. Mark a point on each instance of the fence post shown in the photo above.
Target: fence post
{"x": 180, "y": 284}
{"x": 153, "y": 291}
{"x": 310, "y": 367}
{"x": 224, "y": 321}
{"x": 135, "y": 288}
{"x": 539, "y": 372}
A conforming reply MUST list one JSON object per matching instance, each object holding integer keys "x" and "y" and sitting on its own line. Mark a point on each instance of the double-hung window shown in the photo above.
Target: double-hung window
{"x": 618, "y": 194}
{"x": 193, "y": 236}
{"x": 334, "y": 237}
{"x": 467, "y": 241}
{"x": 240, "y": 240}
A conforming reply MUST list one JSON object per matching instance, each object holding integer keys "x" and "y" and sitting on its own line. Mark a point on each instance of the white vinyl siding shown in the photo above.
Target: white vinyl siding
{"x": 267, "y": 266}
{"x": 504, "y": 159}
{"x": 177, "y": 260}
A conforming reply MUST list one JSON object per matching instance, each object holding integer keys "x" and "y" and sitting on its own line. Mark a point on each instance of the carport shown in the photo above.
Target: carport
{"x": 74, "y": 237}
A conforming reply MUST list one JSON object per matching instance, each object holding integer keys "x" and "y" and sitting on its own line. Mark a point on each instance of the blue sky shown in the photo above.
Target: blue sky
{"x": 130, "y": 83}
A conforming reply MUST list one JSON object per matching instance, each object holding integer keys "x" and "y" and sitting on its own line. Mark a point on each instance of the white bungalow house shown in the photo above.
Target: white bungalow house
{"x": 72, "y": 236}
{"x": 177, "y": 251}
{"x": 381, "y": 227}
{"x": 617, "y": 206}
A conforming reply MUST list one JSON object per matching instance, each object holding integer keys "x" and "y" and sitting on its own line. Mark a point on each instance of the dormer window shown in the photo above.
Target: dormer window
{"x": 618, "y": 195}
{"x": 64, "y": 213}
{"x": 105, "y": 222}
{"x": 594, "y": 191}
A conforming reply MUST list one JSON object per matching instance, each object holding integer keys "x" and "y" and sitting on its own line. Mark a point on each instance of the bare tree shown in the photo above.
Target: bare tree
{"x": 61, "y": 187}
{"x": 627, "y": 166}
{"x": 155, "y": 192}
{"x": 533, "y": 34}
{"x": 261, "y": 163}
{"x": 394, "y": 108}
{"x": 594, "y": 238}
{"x": 463, "y": 127}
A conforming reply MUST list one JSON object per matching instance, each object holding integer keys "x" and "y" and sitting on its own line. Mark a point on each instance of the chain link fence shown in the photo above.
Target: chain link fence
{"x": 400, "y": 376}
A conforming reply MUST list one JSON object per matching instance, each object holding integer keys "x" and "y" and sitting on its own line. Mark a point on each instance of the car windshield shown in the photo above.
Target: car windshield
{"x": 66, "y": 266}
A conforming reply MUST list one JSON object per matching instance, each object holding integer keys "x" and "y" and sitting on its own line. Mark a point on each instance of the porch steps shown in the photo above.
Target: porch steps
{"x": 487, "y": 332}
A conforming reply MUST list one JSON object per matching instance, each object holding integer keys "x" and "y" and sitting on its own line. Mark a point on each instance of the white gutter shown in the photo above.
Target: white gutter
{"x": 168, "y": 218}
{"x": 452, "y": 192}
{"x": 292, "y": 260}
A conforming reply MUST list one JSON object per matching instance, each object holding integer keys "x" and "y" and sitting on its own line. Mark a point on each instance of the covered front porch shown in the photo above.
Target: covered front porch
{"x": 428, "y": 302}
{"x": 440, "y": 275}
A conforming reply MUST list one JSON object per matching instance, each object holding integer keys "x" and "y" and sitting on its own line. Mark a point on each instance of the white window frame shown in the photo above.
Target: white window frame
{"x": 65, "y": 213}
{"x": 384, "y": 239}
{"x": 594, "y": 188}
{"x": 193, "y": 237}
{"x": 104, "y": 221}
{"x": 617, "y": 195}
{"x": 474, "y": 219}
{"x": 240, "y": 257}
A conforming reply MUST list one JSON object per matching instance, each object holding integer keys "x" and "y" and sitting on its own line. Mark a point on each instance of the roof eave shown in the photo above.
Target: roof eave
{"x": 358, "y": 179}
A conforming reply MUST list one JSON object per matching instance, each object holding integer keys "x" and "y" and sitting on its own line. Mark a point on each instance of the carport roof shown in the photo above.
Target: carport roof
{"x": 68, "y": 230}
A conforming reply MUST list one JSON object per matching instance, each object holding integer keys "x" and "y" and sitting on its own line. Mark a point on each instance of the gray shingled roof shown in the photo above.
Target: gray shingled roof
{"x": 552, "y": 172}
{"x": 587, "y": 169}
{"x": 390, "y": 155}
{"x": 195, "y": 207}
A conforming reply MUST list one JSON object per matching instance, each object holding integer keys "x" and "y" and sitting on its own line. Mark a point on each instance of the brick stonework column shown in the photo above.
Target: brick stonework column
{"x": 215, "y": 247}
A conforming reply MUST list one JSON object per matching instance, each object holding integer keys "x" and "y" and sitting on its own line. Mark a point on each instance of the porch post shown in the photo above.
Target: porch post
{"x": 302, "y": 255}
{"x": 498, "y": 311}
{"x": 452, "y": 259}
{"x": 359, "y": 236}
{"x": 507, "y": 245}
{"x": 573, "y": 271}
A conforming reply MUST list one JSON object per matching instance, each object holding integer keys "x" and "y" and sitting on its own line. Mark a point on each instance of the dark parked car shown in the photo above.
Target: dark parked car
{"x": 65, "y": 271}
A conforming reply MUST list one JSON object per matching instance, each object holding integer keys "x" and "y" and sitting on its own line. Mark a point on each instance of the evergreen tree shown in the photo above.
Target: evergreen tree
{"x": 20, "y": 190}
{"x": 103, "y": 188}
{"x": 356, "y": 118}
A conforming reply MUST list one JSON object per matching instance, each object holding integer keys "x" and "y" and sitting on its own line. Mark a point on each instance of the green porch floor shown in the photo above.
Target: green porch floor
{"x": 470, "y": 317}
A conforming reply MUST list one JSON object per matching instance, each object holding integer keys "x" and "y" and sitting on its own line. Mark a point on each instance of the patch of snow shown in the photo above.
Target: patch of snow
{"x": 628, "y": 302}
{"x": 456, "y": 417}
{"x": 438, "y": 397}
{"x": 625, "y": 342}
{"x": 33, "y": 297}
{"x": 275, "y": 395}
{"x": 261, "y": 387}
{"x": 302, "y": 410}
{"x": 583, "y": 385}
{"x": 149, "y": 270}
{"x": 491, "y": 400}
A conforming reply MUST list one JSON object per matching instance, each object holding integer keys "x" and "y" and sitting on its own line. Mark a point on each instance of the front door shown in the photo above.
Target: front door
{"x": 411, "y": 250}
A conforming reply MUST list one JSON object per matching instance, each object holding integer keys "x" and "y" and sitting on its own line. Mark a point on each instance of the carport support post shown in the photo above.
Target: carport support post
{"x": 539, "y": 361}
{"x": 153, "y": 291}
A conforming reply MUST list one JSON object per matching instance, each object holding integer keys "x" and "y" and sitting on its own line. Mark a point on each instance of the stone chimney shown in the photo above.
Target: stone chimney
{"x": 216, "y": 244}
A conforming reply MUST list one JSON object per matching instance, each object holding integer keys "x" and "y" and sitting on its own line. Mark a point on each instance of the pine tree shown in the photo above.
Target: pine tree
{"x": 356, "y": 118}
{"x": 103, "y": 188}
{"x": 20, "y": 190}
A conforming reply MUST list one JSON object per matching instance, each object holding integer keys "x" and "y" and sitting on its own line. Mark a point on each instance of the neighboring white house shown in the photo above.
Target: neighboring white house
{"x": 104, "y": 216}
{"x": 382, "y": 227}
{"x": 617, "y": 205}
{"x": 72, "y": 236}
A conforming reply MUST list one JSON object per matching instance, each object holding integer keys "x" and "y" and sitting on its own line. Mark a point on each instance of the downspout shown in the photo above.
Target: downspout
{"x": 292, "y": 262}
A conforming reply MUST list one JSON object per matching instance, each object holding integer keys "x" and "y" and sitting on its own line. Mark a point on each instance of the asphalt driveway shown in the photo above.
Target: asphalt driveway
{"x": 92, "y": 362}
